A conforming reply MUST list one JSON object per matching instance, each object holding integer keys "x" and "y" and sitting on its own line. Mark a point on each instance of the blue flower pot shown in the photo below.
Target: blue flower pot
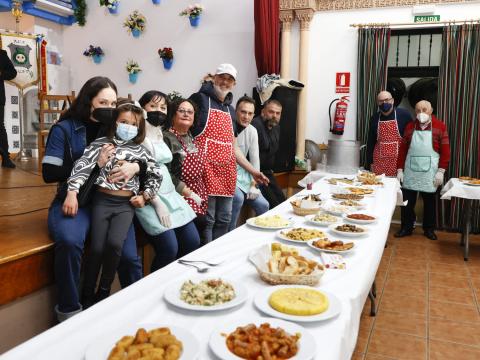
{"x": 156, "y": 2}
{"x": 167, "y": 63}
{"x": 136, "y": 33}
{"x": 97, "y": 59}
{"x": 133, "y": 78}
{"x": 113, "y": 10}
{"x": 194, "y": 21}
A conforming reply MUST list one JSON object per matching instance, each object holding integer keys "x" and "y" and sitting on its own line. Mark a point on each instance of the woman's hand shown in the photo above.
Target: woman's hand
{"x": 137, "y": 201}
{"x": 106, "y": 153}
{"x": 70, "y": 205}
{"x": 123, "y": 171}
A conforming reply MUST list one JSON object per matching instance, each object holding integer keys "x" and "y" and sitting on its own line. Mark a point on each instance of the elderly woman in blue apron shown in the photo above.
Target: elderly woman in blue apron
{"x": 423, "y": 158}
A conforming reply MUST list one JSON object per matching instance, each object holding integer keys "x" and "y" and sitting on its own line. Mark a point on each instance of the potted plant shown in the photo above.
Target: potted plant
{"x": 133, "y": 69}
{"x": 193, "y": 12}
{"x": 166, "y": 54}
{"x": 111, "y": 5}
{"x": 135, "y": 23}
{"x": 95, "y": 52}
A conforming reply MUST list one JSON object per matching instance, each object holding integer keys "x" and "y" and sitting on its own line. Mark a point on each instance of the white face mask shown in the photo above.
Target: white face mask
{"x": 423, "y": 118}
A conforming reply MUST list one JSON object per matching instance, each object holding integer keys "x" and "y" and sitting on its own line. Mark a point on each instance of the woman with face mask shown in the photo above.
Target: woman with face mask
{"x": 68, "y": 138}
{"x": 423, "y": 159}
{"x": 172, "y": 235}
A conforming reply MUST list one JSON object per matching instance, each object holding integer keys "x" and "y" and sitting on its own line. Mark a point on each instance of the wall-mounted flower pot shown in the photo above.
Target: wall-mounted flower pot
{"x": 156, "y": 2}
{"x": 133, "y": 78}
{"x": 194, "y": 21}
{"x": 136, "y": 33}
{"x": 97, "y": 59}
{"x": 167, "y": 63}
{"x": 113, "y": 9}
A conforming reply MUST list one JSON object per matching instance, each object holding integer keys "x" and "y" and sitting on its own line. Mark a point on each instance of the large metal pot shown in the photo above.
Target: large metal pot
{"x": 343, "y": 156}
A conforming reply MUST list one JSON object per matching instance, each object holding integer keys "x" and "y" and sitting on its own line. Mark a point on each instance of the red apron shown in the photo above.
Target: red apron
{"x": 216, "y": 144}
{"x": 385, "y": 153}
{"x": 192, "y": 175}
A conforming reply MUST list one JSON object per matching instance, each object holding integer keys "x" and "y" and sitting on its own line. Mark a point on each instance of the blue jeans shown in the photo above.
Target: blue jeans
{"x": 173, "y": 244}
{"x": 219, "y": 215}
{"x": 259, "y": 205}
{"x": 69, "y": 235}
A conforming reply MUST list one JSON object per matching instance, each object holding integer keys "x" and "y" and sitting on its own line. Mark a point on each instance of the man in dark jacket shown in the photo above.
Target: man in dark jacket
{"x": 268, "y": 143}
{"x": 7, "y": 72}
{"x": 215, "y": 136}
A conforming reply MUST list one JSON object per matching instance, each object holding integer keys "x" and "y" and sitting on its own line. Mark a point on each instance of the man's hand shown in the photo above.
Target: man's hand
{"x": 70, "y": 205}
{"x": 196, "y": 198}
{"x": 137, "y": 201}
{"x": 400, "y": 175}
{"x": 123, "y": 172}
{"x": 260, "y": 178}
{"x": 253, "y": 193}
{"x": 438, "y": 180}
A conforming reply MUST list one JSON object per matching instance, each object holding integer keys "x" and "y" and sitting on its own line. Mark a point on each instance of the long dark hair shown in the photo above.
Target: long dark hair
{"x": 153, "y": 94}
{"x": 123, "y": 106}
{"x": 81, "y": 106}
{"x": 172, "y": 111}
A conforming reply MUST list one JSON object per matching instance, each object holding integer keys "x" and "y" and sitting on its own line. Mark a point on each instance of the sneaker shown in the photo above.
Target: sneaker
{"x": 430, "y": 234}
{"x": 8, "y": 163}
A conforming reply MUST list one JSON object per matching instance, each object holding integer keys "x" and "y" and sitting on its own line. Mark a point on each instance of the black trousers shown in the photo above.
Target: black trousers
{"x": 408, "y": 211}
{"x": 111, "y": 218}
{"x": 3, "y": 133}
{"x": 272, "y": 191}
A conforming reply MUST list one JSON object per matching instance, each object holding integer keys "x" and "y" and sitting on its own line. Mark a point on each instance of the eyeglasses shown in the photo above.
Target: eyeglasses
{"x": 384, "y": 100}
{"x": 185, "y": 112}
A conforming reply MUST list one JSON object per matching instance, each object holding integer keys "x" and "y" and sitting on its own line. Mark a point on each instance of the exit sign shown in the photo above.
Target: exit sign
{"x": 427, "y": 18}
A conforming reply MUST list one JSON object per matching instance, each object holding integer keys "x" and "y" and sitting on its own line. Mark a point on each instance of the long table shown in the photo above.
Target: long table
{"x": 143, "y": 301}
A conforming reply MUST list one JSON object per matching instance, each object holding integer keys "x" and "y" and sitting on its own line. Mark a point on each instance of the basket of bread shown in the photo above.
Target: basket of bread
{"x": 280, "y": 264}
{"x": 307, "y": 205}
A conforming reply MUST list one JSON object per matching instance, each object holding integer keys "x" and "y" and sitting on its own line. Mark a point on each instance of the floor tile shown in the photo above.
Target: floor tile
{"x": 378, "y": 357}
{"x": 398, "y": 346}
{"x": 403, "y": 304}
{"x": 405, "y": 323}
{"x": 357, "y": 356}
{"x": 453, "y": 311}
{"x": 458, "y": 332}
{"x": 406, "y": 264}
{"x": 405, "y": 288}
{"x": 458, "y": 269}
{"x": 410, "y": 275}
{"x": 441, "y": 293}
{"x": 441, "y": 350}
{"x": 447, "y": 280}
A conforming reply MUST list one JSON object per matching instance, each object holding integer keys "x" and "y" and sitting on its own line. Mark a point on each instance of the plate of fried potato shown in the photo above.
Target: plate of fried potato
{"x": 146, "y": 341}
{"x": 279, "y": 264}
{"x": 281, "y": 339}
{"x": 300, "y": 235}
{"x": 334, "y": 246}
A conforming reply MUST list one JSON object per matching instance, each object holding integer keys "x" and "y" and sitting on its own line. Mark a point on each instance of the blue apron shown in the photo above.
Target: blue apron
{"x": 421, "y": 164}
{"x": 180, "y": 212}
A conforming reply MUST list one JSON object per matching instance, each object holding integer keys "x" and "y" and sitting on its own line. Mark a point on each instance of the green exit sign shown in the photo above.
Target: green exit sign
{"x": 427, "y": 18}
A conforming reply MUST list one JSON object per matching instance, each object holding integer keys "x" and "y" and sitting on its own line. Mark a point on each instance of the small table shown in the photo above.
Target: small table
{"x": 456, "y": 188}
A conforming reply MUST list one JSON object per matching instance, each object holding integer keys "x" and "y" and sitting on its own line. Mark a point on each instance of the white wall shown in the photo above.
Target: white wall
{"x": 225, "y": 34}
{"x": 333, "y": 48}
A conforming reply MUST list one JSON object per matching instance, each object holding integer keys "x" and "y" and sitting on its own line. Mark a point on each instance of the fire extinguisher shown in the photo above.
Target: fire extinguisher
{"x": 338, "y": 125}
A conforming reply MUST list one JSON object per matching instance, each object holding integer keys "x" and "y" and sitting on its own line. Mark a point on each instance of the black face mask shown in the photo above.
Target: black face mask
{"x": 104, "y": 115}
{"x": 156, "y": 118}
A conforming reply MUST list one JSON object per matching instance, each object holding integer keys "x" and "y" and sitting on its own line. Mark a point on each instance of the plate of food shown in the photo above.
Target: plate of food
{"x": 335, "y": 246}
{"x": 338, "y": 210}
{"x": 298, "y": 303}
{"x": 360, "y": 190}
{"x": 300, "y": 235}
{"x": 361, "y": 218}
{"x": 146, "y": 340}
{"x": 206, "y": 294}
{"x": 322, "y": 219}
{"x": 354, "y": 204}
{"x": 368, "y": 178}
{"x": 271, "y": 222}
{"x": 466, "y": 178}
{"x": 474, "y": 182}
{"x": 347, "y": 196}
{"x": 280, "y": 264}
{"x": 348, "y": 230}
{"x": 340, "y": 181}
{"x": 246, "y": 339}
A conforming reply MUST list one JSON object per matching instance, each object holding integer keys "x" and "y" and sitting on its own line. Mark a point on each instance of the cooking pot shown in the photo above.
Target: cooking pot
{"x": 343, "y": 156}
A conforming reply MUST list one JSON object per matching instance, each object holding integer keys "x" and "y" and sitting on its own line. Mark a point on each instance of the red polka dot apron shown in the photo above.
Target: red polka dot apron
{"x": 216, "y": 144}
{"x": 192, "y": 174}
{"x": 385, "y": 153}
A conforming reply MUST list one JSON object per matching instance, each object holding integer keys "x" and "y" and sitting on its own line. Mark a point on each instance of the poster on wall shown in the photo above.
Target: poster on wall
{"x": 342, "y": 83}
{"x": 22, "y": 50}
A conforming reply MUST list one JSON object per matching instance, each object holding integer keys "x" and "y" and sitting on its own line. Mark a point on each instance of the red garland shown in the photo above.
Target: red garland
{"x": 43, "y": 67}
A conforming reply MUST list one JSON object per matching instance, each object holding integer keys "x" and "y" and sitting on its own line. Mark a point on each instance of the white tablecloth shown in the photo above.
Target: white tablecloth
{"x": 456, "y": 188}
{"x": 143, "y": 301}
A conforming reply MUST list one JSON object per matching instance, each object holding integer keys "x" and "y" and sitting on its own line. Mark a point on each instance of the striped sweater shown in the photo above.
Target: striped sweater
{"x": 441, "y": 144}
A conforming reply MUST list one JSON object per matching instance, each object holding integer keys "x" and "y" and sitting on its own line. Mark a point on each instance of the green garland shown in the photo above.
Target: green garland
{"x": 80, "y": 12}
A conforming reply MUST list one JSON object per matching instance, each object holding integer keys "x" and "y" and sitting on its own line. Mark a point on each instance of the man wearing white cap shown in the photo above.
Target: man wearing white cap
{"x": 215, "y": 135}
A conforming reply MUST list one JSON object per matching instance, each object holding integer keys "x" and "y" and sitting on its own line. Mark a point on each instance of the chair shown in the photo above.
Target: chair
{"x": 51, "y": 106}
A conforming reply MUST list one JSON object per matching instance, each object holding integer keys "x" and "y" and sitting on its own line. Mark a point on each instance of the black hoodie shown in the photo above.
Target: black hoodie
{"x": 201, "y": 99}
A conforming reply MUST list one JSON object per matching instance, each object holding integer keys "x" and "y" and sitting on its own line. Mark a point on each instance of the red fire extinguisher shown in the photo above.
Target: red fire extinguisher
{"x": 338, "y": 125}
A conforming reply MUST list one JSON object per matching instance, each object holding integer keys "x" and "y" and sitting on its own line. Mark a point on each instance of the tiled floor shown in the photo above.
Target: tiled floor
{"x": 429, "y": 301}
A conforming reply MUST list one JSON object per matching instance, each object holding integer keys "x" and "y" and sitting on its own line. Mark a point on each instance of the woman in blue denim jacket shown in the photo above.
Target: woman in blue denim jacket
{"x": 68, "y": 138}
